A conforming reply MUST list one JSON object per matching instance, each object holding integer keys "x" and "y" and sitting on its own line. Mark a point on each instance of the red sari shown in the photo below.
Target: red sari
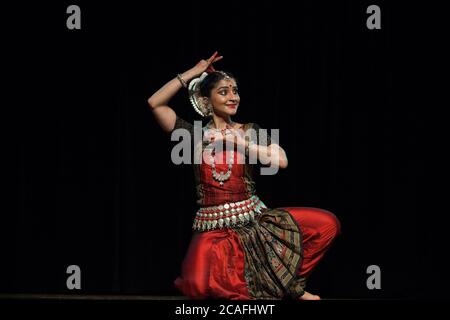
{"x": 270, "y": 258}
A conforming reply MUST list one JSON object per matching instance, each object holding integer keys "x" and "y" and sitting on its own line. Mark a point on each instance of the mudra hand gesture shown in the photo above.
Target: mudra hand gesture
{"x": 206, "y": 65}
{"x": 230, "y": 137}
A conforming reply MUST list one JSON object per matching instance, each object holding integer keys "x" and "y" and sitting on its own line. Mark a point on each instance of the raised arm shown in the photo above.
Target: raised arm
{"x": 158, "y": 102}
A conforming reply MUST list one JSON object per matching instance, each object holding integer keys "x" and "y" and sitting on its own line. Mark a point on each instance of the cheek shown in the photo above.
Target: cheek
{"x": 220, "y": 99}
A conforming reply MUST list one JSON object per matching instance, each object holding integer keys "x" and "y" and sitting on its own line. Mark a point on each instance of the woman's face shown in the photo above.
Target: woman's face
{"x": 225, "y": 98}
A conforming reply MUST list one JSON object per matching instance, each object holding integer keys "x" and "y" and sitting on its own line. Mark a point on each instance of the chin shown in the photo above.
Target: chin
{"x": 227, "y": 112}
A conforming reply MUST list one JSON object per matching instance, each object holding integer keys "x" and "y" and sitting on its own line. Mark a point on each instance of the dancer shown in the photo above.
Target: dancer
{"x": 240, "y": 249}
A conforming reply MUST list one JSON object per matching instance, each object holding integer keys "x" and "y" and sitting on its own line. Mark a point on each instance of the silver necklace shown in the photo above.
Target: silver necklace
{"x": 221, "y": 177}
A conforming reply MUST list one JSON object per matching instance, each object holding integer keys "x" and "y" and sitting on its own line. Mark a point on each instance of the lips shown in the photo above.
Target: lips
{"x": 232, "y": 106}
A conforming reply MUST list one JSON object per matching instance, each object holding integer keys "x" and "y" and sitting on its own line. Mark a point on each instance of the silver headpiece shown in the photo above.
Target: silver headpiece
{"x": 195, "y": 97}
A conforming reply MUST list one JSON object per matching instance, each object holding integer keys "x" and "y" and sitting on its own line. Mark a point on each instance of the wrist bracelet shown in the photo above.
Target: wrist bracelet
{"x": 180, "y": 78}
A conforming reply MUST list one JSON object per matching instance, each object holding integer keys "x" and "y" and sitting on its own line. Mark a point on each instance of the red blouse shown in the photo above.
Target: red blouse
{"x": 238, "y": 187}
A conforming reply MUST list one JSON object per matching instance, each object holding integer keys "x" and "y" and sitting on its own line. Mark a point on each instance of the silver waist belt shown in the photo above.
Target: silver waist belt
{"x": 228, "y": 215}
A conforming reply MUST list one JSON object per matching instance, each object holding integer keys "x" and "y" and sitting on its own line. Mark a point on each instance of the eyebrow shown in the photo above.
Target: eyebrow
{"x": 234, "y": 87}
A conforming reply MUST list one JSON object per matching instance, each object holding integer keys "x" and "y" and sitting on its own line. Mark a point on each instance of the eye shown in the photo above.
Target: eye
{"x": 223, "y": 92}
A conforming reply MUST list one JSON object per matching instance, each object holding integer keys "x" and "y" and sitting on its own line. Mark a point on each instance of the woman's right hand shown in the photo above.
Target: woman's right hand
{"x": 205, "y": 65}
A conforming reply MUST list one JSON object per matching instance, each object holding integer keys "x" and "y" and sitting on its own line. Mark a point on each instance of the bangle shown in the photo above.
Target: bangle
{"x": 180, "y": 78}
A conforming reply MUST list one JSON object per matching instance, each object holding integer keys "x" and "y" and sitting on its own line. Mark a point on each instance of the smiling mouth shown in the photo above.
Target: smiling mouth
{"x": 232, "y": 106}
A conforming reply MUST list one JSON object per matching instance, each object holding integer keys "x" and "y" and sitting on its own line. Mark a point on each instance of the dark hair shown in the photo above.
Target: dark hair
{"x": 211, "y": 80}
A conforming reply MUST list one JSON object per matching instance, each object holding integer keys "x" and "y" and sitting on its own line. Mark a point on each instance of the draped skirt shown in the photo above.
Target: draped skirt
{"x": 269, "y": 258}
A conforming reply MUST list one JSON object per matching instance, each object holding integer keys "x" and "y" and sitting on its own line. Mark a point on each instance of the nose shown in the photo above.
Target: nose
{"x": 233, "y": 97}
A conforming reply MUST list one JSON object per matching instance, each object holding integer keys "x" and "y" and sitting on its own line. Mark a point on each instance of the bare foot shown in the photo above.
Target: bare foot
{"x": 309, "y": 296}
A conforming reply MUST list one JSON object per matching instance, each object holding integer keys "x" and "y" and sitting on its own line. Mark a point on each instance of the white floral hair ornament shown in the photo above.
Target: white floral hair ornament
{"x": 195, "y": 98}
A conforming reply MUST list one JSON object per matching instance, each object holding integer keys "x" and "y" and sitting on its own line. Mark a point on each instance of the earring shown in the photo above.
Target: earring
{"x": 210, "y": 109}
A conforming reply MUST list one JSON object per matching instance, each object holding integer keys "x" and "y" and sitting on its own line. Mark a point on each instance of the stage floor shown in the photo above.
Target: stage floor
{"x": 88, "y": 297}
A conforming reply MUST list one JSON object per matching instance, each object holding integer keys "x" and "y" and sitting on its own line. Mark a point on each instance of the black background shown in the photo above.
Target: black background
{"x": 93, "y": 183}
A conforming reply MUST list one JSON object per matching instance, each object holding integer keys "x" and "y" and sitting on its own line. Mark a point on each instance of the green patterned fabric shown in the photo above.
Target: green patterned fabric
{"x": 273, "y": 256}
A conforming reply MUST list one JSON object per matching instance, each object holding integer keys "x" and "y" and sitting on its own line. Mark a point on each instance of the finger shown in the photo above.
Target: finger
{"x": 210, "y": 69}
{"x": 217, "y": 59}
{"x": 212, "y": 57}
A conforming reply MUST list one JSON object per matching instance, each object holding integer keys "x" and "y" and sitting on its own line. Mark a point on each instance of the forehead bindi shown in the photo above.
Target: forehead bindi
{"x": 226, "y": 83}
